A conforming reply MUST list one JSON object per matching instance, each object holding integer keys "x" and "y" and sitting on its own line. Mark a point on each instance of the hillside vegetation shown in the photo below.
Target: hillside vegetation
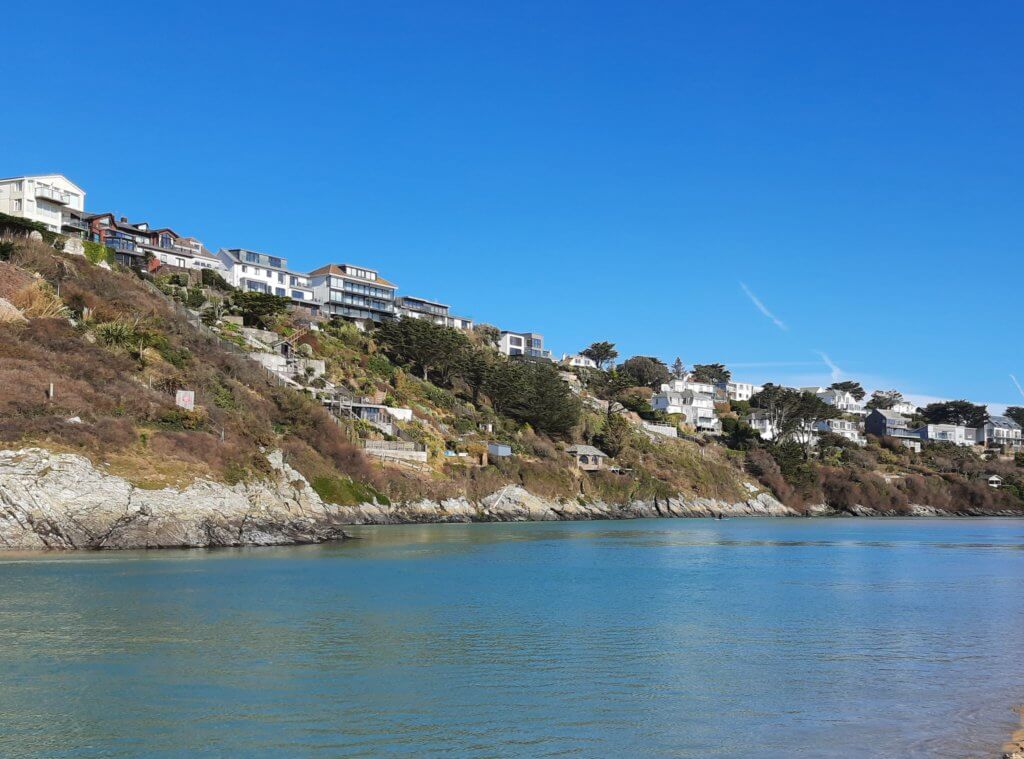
{"x": 116, "y": 348}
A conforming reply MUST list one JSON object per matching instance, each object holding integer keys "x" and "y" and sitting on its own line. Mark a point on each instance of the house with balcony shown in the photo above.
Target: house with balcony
{"x": 1001, "y": 432}
{"x": 171, "y": 249}
{"x": 738, "y": 391}
{"x": 956, "y": 434}
{"x": 761, "y": 422}
{"x": 50, "y": 199}
{"x": 889, "y": 423}
{"x": 704, "y": 389}
{"x": 438, "y": 313}
{"x": 264, "y": 273}
{"x": 523, "y": 344}
{"x": 697, "y": 409}
{"x": 124, "y": 238}
{"x": 354, "y": 292}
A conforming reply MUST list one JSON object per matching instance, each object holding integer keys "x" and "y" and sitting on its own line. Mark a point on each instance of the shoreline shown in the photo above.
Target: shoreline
{"x": 59, "y": 501}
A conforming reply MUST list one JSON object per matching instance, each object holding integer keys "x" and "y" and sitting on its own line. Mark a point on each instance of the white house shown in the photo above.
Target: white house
{"x": 844, "y": 428}
{"x": 705, "y": 389}
{"x": 354, "y": 292}
{"x": 523, "y": 344}
{"x": 999, "y": 432}
{"x": 264, "y": 273}
{"x": 50, "y": 199}
{"x": 904, "y": 407}
{"x": 761, "y": 423}
{"x": 840, "y": 399}
{"x": 739, "y": 391}
{"x": 948, "y": 433}
{"x": 698, "y": 410}
{"x": 581, "y": 361}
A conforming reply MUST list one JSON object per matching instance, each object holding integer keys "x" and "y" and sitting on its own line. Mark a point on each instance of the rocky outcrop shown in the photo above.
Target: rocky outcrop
{"x": 514, "y": 504}
{"x": 52, "y": 500}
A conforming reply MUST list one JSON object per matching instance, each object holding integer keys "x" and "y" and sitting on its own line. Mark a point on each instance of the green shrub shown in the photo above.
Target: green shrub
{"x": 213, "y": 279}
{"x": 346, "y": 492}
{"x": 98, "y": 253}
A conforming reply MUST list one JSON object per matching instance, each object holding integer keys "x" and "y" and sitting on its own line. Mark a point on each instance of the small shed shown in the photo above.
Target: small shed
{"x": 587, "y": 457}
{"x": 499, "y": 449}
{"x": 995, "y": 481}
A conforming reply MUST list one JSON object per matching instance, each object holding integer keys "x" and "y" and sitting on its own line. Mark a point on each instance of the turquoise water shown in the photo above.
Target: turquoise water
{"x": 675, "y": 638}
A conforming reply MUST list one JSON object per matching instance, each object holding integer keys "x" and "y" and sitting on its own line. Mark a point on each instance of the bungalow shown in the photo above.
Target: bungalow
{"x": 587, "y": 457}
{"x": 1001, "y": 432}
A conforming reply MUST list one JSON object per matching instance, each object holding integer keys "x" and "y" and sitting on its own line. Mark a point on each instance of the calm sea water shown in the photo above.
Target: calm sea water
{"x": 688, "y": 638}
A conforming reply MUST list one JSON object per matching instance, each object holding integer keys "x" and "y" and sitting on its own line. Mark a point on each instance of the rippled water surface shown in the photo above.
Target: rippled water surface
{"x": 688, "y": 638}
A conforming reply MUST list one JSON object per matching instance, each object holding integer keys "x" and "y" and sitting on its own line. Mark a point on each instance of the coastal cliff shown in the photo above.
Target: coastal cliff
{"x": 62, "y": 501}
{"x": 51, "y": 500}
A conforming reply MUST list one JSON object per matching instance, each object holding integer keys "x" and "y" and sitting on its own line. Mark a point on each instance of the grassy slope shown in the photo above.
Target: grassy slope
{"x": 118, "y": 370}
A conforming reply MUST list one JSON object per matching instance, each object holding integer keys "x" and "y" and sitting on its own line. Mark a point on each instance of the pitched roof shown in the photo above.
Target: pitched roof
{"x": 586, "y": 450}
{"x": 889, "y": 414}
{"x": 337, "y": 270}
{"x": 1003, "y": 422}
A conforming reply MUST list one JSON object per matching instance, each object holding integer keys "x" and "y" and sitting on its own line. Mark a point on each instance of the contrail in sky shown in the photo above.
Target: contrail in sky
{"x": 837, "y": 373}
{"x": 763, "y": 308}
{"x": 1019, "y": 388}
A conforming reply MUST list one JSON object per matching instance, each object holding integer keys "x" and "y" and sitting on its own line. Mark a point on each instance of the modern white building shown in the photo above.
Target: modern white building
{"x": 354, "y": 292}
{"x": 264, "y": 273}
{"x": 705, "y": 389}
{"x": 697, "y": 409}
{"x": 575, "y": 359}
{"x": 50, "y": 199}
{"x": 948, "y": 433}
{"x": 739, "y": 391}
{"x": 431, "y": 310}
{"x": 530, "y": 344}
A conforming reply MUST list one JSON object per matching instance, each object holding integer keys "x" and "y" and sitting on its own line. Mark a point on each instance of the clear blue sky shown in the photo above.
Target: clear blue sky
{"x": 587, "y": 170}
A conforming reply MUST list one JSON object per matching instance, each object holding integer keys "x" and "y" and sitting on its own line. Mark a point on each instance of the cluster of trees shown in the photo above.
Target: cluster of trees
{"x": 529, "y": 392}
{"x": 793, "y": 414}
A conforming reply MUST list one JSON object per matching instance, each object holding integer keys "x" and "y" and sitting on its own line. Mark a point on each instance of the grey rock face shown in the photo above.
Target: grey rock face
{"x": 52, "y": 500}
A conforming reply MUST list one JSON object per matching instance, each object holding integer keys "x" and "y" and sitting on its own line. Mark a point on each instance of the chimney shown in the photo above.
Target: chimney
{"x": 124, "y": 219}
